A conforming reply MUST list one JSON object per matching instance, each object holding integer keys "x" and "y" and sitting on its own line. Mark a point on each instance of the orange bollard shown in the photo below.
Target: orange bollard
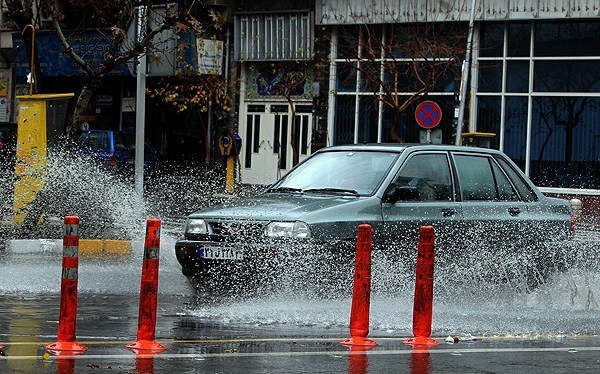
{"x": 144, "y": 365}
{"x": 423, "y": 303}
{"x": 358, "y": 361}
{"x": 361, "y": 295}
{"x": 420, "y": 362}
{"x": 149, "y": 292}
{"x": 65, "y": 365}
{"x": 68, "y": 290}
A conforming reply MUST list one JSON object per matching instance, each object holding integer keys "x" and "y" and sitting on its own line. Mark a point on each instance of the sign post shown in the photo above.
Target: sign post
{"x": 428, "y": 115}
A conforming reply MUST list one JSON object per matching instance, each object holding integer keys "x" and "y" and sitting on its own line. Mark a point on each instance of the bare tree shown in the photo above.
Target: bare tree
{"x": 401, "y": 63}
{"x": 117, "y": 17}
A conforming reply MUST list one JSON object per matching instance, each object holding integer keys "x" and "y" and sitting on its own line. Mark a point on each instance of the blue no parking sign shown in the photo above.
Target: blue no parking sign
{"x": 428, "y": 114}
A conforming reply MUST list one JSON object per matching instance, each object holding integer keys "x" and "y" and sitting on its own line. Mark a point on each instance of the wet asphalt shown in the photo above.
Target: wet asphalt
{"x": 299, "y": 335}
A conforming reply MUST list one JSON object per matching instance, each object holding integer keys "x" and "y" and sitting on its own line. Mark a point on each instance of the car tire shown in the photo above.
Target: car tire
{"x": 550, "y": 258}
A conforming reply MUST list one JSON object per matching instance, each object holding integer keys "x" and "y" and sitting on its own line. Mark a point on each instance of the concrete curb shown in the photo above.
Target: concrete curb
{"x": 87, "y": 247}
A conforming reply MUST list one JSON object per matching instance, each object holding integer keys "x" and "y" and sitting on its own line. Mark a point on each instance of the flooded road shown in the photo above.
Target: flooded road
{"x": 551, "y": 328}
{"x": 464, "y": 304}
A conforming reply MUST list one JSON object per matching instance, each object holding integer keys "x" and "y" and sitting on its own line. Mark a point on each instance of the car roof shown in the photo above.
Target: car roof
{"x": 401, "y": 147}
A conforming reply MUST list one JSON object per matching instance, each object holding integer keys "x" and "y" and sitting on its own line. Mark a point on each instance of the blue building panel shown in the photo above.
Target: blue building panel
{"x": 92, "y": 46}
{"x": 54, "y": 62}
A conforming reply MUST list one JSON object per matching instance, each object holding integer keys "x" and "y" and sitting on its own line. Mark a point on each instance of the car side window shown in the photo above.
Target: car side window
{"x": 97, "y": 140}
{"x": 430, "y": 174}
{"x": 481, "y": 179}
{"x": 506, "y": 192}
{"x": 522, "y": 187}
{"x": 476, "y": 178}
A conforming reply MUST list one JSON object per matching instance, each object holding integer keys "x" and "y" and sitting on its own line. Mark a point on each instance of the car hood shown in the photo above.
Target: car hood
{"x": 274, "y": 206}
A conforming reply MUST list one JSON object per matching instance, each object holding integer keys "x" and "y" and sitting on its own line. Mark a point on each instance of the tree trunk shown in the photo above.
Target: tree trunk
{"x": 83, "y": 100}
{"x": 395, "y": 126}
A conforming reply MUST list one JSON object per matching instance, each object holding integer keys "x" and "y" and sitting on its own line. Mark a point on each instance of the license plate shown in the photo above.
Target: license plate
{"x": 221, "y": 253}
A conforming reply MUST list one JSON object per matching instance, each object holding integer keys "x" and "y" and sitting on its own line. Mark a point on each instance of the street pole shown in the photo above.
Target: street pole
{"x": 140, "y": 110}
{"x": 465, "y": 76}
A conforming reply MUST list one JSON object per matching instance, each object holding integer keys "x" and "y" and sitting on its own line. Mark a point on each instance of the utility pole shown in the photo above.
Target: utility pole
{"x": 465, "y": 76}
{"x": 140, "y": 108}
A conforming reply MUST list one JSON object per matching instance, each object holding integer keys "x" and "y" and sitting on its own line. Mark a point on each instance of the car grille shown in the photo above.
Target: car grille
{"x": 233, "y": 230}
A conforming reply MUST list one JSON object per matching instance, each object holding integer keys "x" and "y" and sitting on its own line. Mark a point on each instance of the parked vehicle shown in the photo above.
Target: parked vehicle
{"x": 473, "y": 197}
{"x": 115, "y": 149}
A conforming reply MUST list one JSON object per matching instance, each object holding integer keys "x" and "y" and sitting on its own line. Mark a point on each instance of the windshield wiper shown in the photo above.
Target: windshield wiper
{"x": 285, "y": 189}
{"x": 333, "y": 191}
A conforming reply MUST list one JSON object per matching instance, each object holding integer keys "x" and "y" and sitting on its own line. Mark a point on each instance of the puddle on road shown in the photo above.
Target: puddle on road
{"x": 118, "y": 275}
{"x": 567, "y": 305}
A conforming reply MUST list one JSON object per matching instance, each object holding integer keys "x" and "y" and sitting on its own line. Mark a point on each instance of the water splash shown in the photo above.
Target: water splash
{"x": 490, "y": 299}
{"x": 484, "y": 294}
{"x": 106, "y": 200}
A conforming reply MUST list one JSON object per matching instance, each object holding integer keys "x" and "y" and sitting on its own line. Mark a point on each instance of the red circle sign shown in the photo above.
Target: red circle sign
{"x": 428, "y": 114}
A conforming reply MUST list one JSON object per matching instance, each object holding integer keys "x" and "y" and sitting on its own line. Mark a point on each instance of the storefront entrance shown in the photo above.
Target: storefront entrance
{"x": 274, "y": 140}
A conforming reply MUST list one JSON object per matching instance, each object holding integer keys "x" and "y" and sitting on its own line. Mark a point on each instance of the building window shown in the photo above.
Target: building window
{"x": 378, "y": 70}
{"x": 274, "y": 36}
{"x": 565, "y": 141}
{"x": 344, "y": 120}
{"x": 538, "y": 90}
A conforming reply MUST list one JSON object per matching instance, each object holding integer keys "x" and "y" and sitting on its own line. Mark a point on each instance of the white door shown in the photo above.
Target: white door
{"x": 268, "y": 150}
{"x": 302, "y": 135}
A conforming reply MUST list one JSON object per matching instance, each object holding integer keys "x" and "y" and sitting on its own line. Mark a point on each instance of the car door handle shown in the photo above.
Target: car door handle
{"x": 514, "y": 211}
{"x": 448, "y": 212}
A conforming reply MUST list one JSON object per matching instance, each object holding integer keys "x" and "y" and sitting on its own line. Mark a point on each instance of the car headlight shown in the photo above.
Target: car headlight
{"x": 196, "y": 226}
{"x": 297, "y": 229}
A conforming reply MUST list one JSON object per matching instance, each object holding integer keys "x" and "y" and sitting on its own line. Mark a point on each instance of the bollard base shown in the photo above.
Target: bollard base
{"x": 146, "y": 346}
{"x": 59, "y": 347}
{"x": 358, "y": 341}
{"x": 421, "y": 341}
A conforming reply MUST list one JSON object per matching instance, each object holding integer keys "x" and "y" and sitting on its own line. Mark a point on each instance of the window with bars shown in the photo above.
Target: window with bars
{"x": 274, "y": 36}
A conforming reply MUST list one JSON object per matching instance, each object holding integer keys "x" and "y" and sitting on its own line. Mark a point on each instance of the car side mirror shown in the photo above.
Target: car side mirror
{"x": 394, "y": 193}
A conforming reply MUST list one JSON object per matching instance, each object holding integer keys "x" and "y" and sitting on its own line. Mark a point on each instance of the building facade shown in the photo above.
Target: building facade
{"x": 316, "y": 73}
{"x": 534, "y": 81}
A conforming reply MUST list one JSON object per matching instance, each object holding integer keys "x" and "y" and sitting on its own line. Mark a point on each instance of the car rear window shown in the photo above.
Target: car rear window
{"x": 97, "y": 140}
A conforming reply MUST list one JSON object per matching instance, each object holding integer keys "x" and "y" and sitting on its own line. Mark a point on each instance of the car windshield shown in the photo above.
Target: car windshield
{"x": 338, "y": 172}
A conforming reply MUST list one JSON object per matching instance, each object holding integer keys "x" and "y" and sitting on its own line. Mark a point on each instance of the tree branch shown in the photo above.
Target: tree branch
{"x": 66, "y": 46}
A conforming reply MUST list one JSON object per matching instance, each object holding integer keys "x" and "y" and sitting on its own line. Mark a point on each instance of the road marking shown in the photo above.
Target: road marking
{"x": 310, "y": 353}
{"x": 114, "y": 341}
{"x": 375, "y": 352}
